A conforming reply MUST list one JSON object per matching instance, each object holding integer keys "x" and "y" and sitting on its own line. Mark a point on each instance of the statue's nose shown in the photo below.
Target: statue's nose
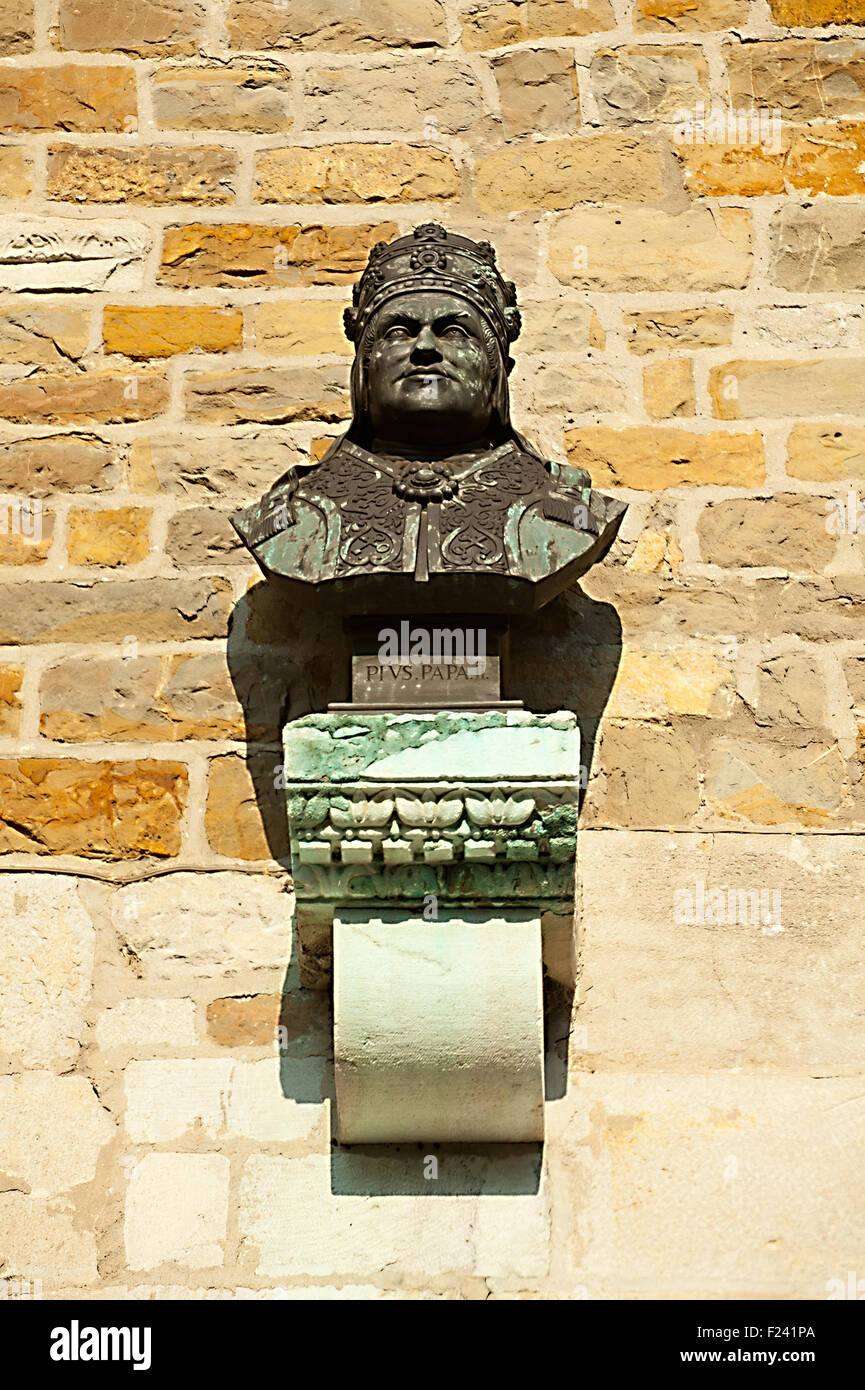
{"x": 426, "y": 348}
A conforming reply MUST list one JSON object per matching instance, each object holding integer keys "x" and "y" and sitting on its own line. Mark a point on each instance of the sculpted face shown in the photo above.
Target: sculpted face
{"x": 431, "y": 372}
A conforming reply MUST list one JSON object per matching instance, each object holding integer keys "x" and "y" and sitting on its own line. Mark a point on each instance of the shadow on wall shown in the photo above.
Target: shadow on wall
{"x": 289, "y": 657}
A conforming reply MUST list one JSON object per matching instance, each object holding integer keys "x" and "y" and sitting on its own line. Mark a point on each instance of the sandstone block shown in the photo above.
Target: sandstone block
{"x": 793, "y": 785}
{"x": 219, "y": 466}
{"x": 10, "y": 700}
{"x": 810, "y": 13}
{"x": 143, "y": 27}
{"x": 642, "y": 249}
{"x": 828, "y": 158}
{"x": 689, "y": 16}
{"x": 788, "y": 531}
{"x": 233, "y": 818}
{"x": 203, "y": 536}
{"x": 25, "y": 535}
{"x": 668, "y": 388}
{"x": 223, "y": 98}
{"x": 495, "y": 23}
{"x": 170, "y": 175}
{"x": 212, "y": 1098}
{"x": 781, "y": 390}
{"x": 45, "y": 1240}
{"x": 108, "y": 536}
{"x": 266, "y": 396}
{"x": 801, "y": 79}
{"x": 43, "y": 336}
{"x": 650, "y": 777}
{"x": 99, "y": 810}
{"x": 360, "y": 173}
{"x": 638, "y": 82}
{"x": 563, "y": 325}
{"x": 16, "y": 26}
{"x": 558, "y": 173}
{"x": 302, "y": 327}
{"x": 818, "y": 325}
{"x": 220, "y": 255}
{"x": 75, "y": 97}
{"x": 323, "y": 24}
{"x": 819, "y": 248}
{"x": 163, "y": 330}
{"x": 538, "y": 90}
{"x": 100, "y": 397}
{"x": 46, "y": 968}
{"x": 654, "y": 459}
{"x": 649, "y": 330}
{"x": 409, "y": 97}
{"x": 147, "y": 610}
{"x": 40, "y": 466}
{"x": 177, "y": 1211}
{"x": 791, "y": 690}
{"x": 826, "y": 453}
{"x": 16, "y": 171}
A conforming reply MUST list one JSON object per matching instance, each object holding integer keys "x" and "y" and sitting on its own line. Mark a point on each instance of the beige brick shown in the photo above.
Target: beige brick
{"x": 145, "y": 27}
{"x": 43, "y": 336}
{"x": 656, "y": 552}
{"x": 177, "y": 1211}
{"x": 638, "y": 82}
{"x": 570, "y": 390}
{"x": 109, "y": 537}
{"x": 649, "y": 777}
{"x": 303, "y": 327}
{"x": 75, "y": 97}
{"x": 820, "y": 325}
{"x": 638, "y": 249}
{"x": 146, "y": 610}
{"x": 689, "y": 16}
{"x": 226, "y": 254}
{"x": 392, "y": 173}
{"x": 99, "y": 810}
{"x": 670, "y": 681}
{"x": 826, "y": 453}
{"x": 52, "y": 1131}
{"x": 495, "y": 23}
{"x": 799, "y": 78}
{"x": 789, "y": 531}
{"x": 162, "y": 330}
{"x": 317, "y": 24}
{"x": 562, "y": 325}
{"x": 651, "y": 329}
{"x": 668, "y": 388}
{"x": 66, "y": 463}
{"x": 538, "y": 90}
{"x": 222, "y": 98}
{"x": 46, "y": 1240}
{"x": 100, "y": 397}
{"x": 245, "y": 1021}
{"x": 171, "y": 175}
{"x": 189, "y": 926}
{"x": 558, "y": 173}
{"x": 16, "y": 26}
{"x": 138, "y": 1025}
{"x": 819, "y": 248}
{"x": 817, "y": 12}
{"x": 267, "y": 395}
{"x": 654, "y": 459}
{"x": 46, "y": 970}
{"x": 40, "y": 254}
{"x": 215, "y": 1099}
{"x": 781, "y": 390}
{"x": 294, "y": 1214}
{"x": 793, "y": 785}
{"x": 16, "y": 173}
{"x": 828, "y": 158}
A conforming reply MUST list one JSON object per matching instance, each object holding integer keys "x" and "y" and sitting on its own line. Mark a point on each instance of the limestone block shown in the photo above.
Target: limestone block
{"x": 141, "y": 1024}
{"x": 193, "y": 926}
{"x": 61, "y": 253}
{"x": 46, "y": 1239}
{"x": 223, "y": 98}
{"x": 438, "y": 1027}
{"x": 177, "y": 1211}
{"x": 52, "y": 1129}
{"x": 46, "y": 966}
{"x": 215, "y": 1098}
{"x": 323, "y": 1215}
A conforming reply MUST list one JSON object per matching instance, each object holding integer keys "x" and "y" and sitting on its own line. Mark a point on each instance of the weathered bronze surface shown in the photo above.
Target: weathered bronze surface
{"x": 432, "y": 502}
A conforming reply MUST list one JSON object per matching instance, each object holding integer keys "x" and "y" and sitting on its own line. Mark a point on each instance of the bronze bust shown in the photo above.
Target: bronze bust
{"x": 431, "y": 501}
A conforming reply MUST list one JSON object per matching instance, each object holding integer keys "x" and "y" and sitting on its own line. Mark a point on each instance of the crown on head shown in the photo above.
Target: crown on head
{"x": 434, "y": 258}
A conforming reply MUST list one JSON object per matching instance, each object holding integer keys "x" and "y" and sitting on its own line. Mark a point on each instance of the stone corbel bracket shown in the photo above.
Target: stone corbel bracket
{"x": 434, "y": 832}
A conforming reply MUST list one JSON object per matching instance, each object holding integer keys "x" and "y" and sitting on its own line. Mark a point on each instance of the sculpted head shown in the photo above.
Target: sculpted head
{"x": 432, "y": 324}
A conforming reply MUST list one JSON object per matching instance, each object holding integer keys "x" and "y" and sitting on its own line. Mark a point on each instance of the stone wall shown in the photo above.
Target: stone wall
{"x": 188, "y": 189}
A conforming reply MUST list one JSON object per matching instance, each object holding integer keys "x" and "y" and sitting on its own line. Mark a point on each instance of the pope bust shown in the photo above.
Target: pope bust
{"x": 431, "y": 501}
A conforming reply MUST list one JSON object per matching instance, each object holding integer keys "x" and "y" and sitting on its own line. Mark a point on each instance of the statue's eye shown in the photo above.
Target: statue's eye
{"x": 397, "y": 330}
{"x": 453, "y": 330}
